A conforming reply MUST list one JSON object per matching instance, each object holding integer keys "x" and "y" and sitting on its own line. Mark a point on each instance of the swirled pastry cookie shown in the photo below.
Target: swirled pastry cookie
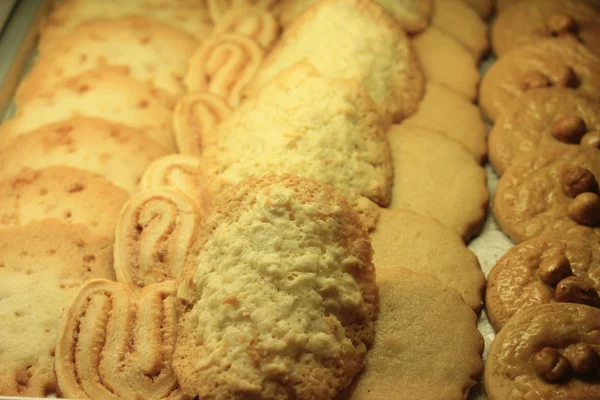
{"x": 220, "y": 9}
{"x": 260, "y": 26}
{"x": 376, "y": 52}
{"x": 176, "y": 171}
{"x": 114, "y": 344}
{"x": 41, "y": 266}
{"x": 281, "y": 299}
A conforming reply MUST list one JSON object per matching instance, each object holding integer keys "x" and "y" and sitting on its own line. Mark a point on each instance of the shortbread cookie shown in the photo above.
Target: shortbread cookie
{"x": 445, "y": 61}
{"x": 105, "y": 92}
{"x": 460, "y": 21}
{"x": 422, "y": 244}
{"x": 427, "y": 346}
{"x": 529, "y": 21}
{"x": 260, "y": 26}
{"x": 154, "y": 235}
{"x": 118, "y": 153}
{"x": 114, "y": 344}
{"x": 446, "y": 111}
{"x": 296, "y": 286}
{"x": 220, "y": 9}
{"x": 64, "y": 193}
{"x": 224, "y": 65}
{"x": 413, "y": 15}
{"x": 537, "y": 272}
{"x": 483, "y": 7}
{"x": 375, "y": 52}
{"x": 553, "y": 190}
{"x": 551, "y": 62}
{"x": 154, "y": 53}
{"x": 544, "y": 118}
{"x": 307, "y": 125}
{"x": 42, "y": 264}
{"x": 196, "y": 114}
{"x": 436, "y": 176}
{"x": 546, "y": 352}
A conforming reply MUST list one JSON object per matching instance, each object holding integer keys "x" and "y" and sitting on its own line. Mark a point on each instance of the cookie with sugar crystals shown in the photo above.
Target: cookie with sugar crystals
{"x": 377, "y": 53}
{"x": 296, "y": 287}
{"x": 41, "y": 266}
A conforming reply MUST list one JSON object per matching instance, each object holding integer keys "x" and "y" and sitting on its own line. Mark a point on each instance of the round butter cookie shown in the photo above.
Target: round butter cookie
{"x": 281, "y": 300}
{"x": 548, "y": 352}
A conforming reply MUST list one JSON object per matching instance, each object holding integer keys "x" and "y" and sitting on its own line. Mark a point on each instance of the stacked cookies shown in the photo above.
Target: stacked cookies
{"x": 245, "y": 199}
{"x": 543, "y": 97}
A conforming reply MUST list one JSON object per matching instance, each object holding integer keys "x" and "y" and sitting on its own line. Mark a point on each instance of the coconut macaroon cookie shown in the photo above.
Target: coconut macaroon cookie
{"x": 549, "y": 352}
{"x": 281, "y": 299}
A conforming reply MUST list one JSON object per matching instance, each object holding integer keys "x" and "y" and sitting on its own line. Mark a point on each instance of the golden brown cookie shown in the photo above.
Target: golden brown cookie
{"x": 436, "y": 176}
{"x": 154, "y": 235}
{"x": 552, "y": 190}
{"x": 118, "y": 153}
{"x": 422, "y": 244}
{"x": 503, "y": 5}
{"x": 548, "y": 352}
{"x": 41, "y": 266}
{"x": 288, "y": 311}
{"x": 544, "y": 118}
{"x": 220, "y": 9}
{"x": 260, "y": 26}
{"x": 64, "y": 193}
{"x": 551, "y": 62}
{"x": 114, "y": 344}
{"x": 376, "y": 53}
{"x": 427, "y": 346}
{"x": 538, "y": 270}
{"x": 483, "y": 7}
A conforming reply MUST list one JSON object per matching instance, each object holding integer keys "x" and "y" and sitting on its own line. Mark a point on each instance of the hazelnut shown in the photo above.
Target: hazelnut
{"x": 574, "y": 289}
{"x": 591, "y": 139}
{"x": 565, "y": 77}
{"x": 561, "y": 24}
{"x": 535, "y": 80}
{"x": 569, "y": 129}
{"x": 551, "y": 365}
{"x": 554, "y": 269}
{"x": 578, "y": 180}
{"x": 583, "y": 358}
{"x": 585, "y": 209}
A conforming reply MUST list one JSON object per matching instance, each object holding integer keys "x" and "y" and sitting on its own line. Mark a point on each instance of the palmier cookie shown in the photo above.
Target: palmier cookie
{"x": 544, "y": 118}
{"x": 224, "y": 65}
{"x": 551, "y": 62}
{"x": 529, "y": 21}
{"x": 551, "y": 190}
{"x": 68, "y": 194}
{"x": 116, "y": 344}
{"x": 260, "y": 26}
{"x": 41, "y": 266}
{"x": 296, "y": 285}
{"x": 195, "y": 115}
{"x": 427, "y": 346}
{"x": 549, "y": 352}
{"x": 154, "y": 236}
{"x": 220, "y": 9}
{"x": 545, "y": 269}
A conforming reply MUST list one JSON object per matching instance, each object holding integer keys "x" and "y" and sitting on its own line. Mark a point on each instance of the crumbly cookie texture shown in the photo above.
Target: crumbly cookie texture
{"x": 281, "y": 299}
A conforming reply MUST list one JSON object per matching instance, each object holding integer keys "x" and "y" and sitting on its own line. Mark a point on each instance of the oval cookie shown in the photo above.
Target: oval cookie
{"x": 176, "y": 171}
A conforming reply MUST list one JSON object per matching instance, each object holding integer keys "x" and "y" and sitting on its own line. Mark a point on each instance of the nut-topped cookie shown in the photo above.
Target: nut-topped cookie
{"x": 551, "y": 190}
{"x": 546, "y": 352}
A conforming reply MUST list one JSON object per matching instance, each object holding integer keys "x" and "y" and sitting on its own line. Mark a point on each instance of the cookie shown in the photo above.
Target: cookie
{"x": 553, "y": 190}
{"x": 427, "y": 345}
{"x": 543, "y": 118}
{"x": 549, "y": 352}
{"x": 483, "y": 7}
{"x": 219, "y": 9}
{"x": 377, "y": 53}
{"x": 503, "y": 5}
{"x": 307, "y": 125}
{"x": 446, "y": 111}
{"x": 551, "y": 62}
{"x": 114, "y": 344}
{"x": 529, "y": 21}
{"x": 260, "y": 26}
{"x": 447, "y": 62}
{"x": 538, "y": 270}
{"x": 42, "y": 264}
{"x": 224, "y": 65}
{"x": 426, "y": 163}
{"x": 105, "y": 92}
{"x": 154, "y": 53}
{"x": 154, "y": 235}
{"x": 195, "y": 114}
{"x": 288, "y": 311}
{"x": 422, "y": 244}
{"x": 68, "y": 194}
{"x": 118, "y": 153}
